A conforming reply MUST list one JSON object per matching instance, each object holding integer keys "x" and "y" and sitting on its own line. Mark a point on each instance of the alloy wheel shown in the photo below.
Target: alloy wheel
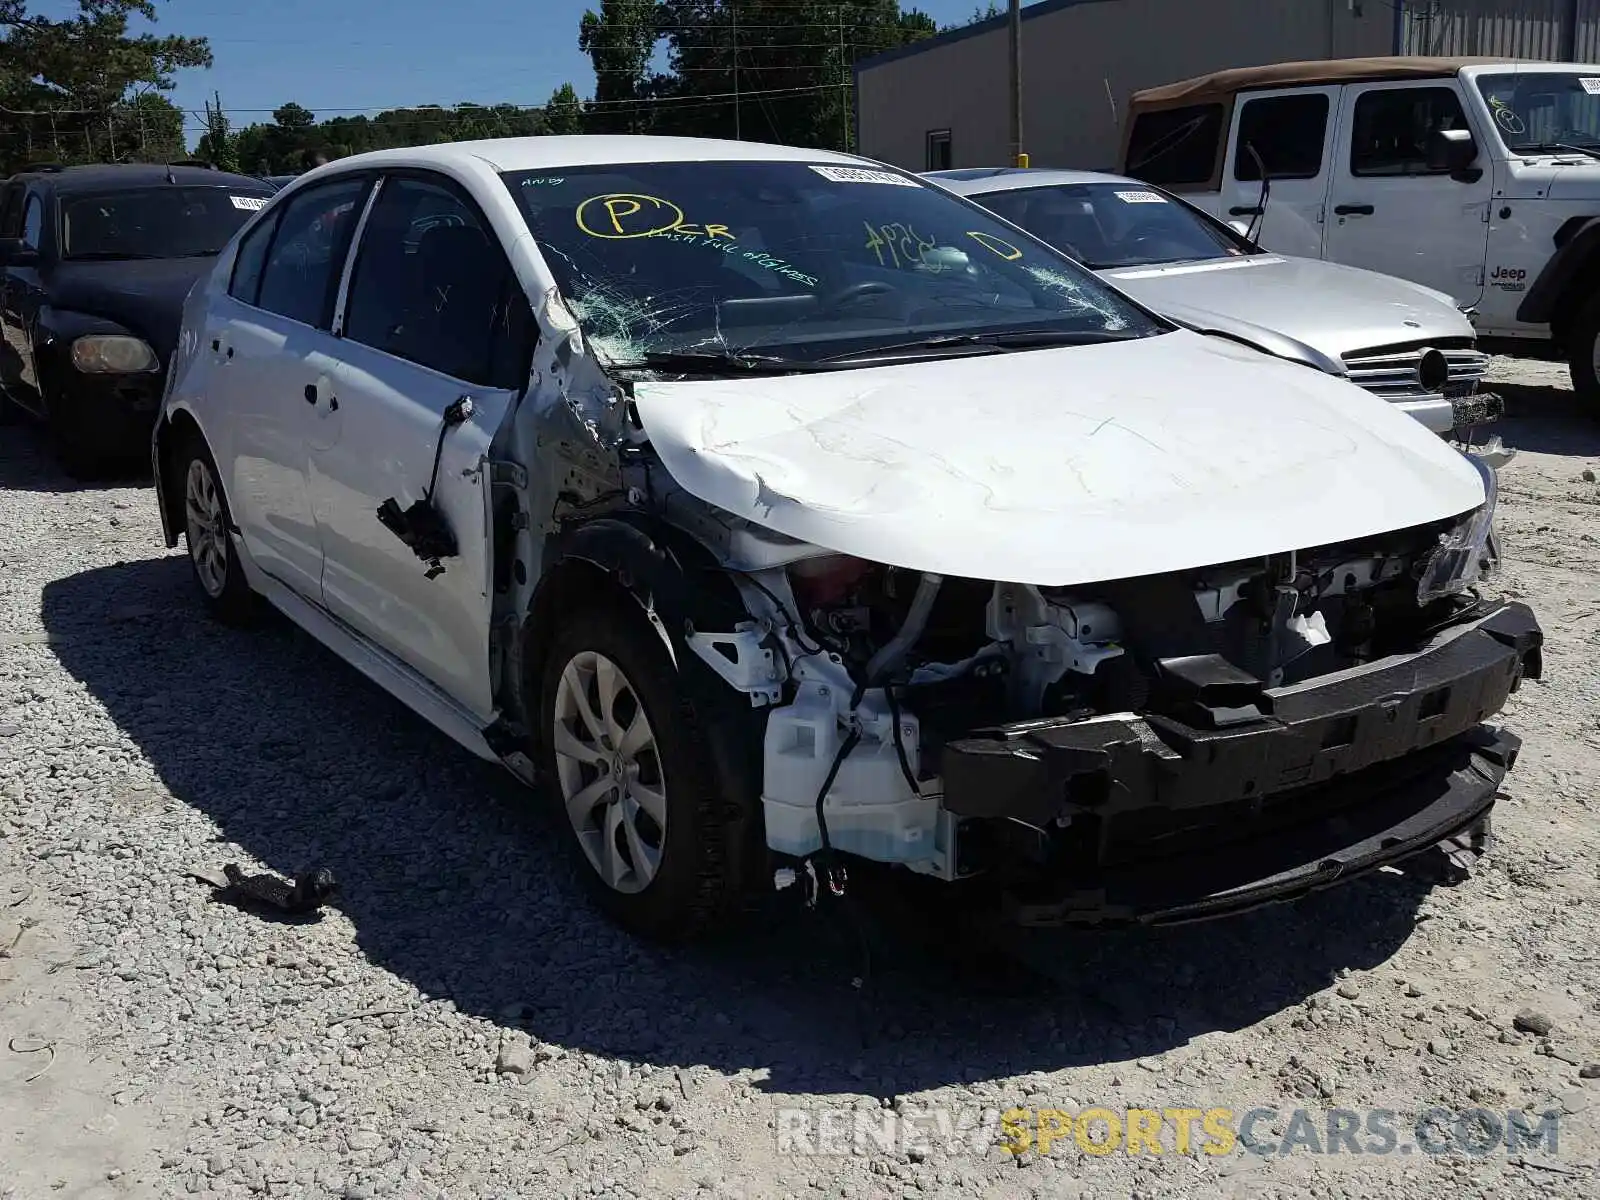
{"x": 608, "y": 767}
{"x": 207, "y": 528}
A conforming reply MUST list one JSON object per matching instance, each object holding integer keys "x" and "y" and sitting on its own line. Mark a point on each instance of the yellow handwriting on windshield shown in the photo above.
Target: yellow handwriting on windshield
{"x": 999, "y": 245}
{"x": 621, "y": 215}
{"x": 627, "y": 215}
{"x": 904, "y": 245}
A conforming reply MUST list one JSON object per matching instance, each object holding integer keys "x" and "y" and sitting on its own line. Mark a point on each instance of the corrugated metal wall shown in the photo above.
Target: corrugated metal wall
{"x": 1549, "y": 29}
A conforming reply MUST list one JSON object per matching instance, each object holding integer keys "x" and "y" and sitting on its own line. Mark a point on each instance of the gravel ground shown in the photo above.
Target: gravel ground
{"x": 462, "y": 1025}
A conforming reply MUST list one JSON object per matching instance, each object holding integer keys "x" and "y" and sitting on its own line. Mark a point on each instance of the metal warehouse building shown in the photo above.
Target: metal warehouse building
{"x": 944, "y": 102}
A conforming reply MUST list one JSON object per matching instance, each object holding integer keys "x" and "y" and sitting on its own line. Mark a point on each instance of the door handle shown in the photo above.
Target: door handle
{"x": 1353, "y": 210}
{"x": 311, "y": 393}
{"x": 1242, "y": 210}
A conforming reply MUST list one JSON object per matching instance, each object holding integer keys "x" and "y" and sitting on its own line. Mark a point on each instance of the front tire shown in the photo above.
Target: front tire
{"x": 1583, "y": 353}
{"x": 206, "y": 525}
{"x": 626, "y": 751}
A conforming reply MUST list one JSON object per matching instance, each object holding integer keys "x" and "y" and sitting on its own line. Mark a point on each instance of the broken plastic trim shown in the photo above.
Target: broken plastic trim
{"x": 1456, "y": 563}
{"x": 422, "y": 526}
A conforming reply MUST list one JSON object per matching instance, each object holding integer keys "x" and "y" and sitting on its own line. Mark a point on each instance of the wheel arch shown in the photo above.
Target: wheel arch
{"x": 1571, "y": 274}
{"x": 646, "y": 566}
{"x": 171, "y": 431}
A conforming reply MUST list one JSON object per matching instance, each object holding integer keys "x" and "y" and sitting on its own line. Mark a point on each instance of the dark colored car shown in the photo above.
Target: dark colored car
{"x": 95, "y": 264}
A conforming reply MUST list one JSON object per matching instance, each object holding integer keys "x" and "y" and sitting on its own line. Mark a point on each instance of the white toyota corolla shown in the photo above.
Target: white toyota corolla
{"x": 773, "y": 511}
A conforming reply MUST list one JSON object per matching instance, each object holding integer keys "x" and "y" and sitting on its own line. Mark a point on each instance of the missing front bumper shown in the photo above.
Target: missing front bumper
{"x": 1150, "y": 818}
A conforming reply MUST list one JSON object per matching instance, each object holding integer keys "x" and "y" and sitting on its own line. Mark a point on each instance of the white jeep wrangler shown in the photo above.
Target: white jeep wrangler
{"x": 1478, "y": 177}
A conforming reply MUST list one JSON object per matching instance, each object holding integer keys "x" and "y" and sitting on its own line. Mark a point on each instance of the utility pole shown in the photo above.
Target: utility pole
{"x": 1018, "y": 158}
{"x": 733, "y": 7}
{"x": 844, "y": 89}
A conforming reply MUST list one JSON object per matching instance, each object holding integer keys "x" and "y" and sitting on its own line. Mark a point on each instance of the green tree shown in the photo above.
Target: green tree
{"x": 80, "y": 88}
{"x": 620, "y": 40}
{"x": 772, "y": 70}
{"x": 563, "y": 113}
{"x": 218, "y": 145}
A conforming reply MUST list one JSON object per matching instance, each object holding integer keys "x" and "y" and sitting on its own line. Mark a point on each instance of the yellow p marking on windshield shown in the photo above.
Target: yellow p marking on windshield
{"x": 629, "y": 215}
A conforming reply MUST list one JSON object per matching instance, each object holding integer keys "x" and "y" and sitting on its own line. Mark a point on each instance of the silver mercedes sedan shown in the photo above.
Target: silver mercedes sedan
{"x": 1407, "y": 343}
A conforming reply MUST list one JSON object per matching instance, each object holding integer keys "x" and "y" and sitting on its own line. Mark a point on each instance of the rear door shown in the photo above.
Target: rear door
{"x": 23, "y": 295}
{"x": 272, "y": 360}
{"x": 1393, "y": 213}
{"x": 1290, "y": 133}
{"x": 434, "y": 317}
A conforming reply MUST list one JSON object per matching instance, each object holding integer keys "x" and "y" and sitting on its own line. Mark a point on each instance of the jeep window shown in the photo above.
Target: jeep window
{"x": 1109, "y": 225}
{"x": 1287, "y": 134}
{"x": 155, "y": 222}
{"x": 1392, "y": 127}
{"x": 799, "y": 261}
{"x": 1176, "y": 147}
{"x": 1543, "y": 110}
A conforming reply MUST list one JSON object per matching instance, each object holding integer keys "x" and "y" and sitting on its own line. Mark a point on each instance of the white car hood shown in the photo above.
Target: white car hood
{"x": 1059, "y": 466}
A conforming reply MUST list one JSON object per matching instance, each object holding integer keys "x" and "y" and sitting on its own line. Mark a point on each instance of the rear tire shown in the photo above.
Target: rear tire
{"x": 626, "y": 752}
{"x": 206, "y": 524}
{"x": 1583, "y": 353}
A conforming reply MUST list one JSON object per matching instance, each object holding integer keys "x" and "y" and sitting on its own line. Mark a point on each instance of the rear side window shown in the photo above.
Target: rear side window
{"x": 433, "y": 286}
{"x": 1176, "y": 146}
{"x": 303, "y": 267}
{"x": 251, "y": 260}
{"x": 33, "y": 223}
{"x": 1287, "y": 133}
{"x": 1391, "y": 128}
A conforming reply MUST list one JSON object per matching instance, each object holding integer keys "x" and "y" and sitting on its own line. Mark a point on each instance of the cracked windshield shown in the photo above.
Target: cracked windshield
{"x": 797, "y": 263}
{"x": 1544, "y": 111}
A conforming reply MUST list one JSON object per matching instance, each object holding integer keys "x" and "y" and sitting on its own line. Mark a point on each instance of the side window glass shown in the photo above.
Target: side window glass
{"x": 1175, "y": 147}
{"x": 33, "y": 223}
{"x": 251, "y": 260}
{"x": 432, "y": 285}
{"x": 1391, "y": 128}
{"x": 1287, "y": 134}
{"x": 307, "y": 257}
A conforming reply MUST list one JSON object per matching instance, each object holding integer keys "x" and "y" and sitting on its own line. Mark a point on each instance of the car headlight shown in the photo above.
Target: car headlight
{"x": 113, "y": 354}
{"x": 1466, "y": 554}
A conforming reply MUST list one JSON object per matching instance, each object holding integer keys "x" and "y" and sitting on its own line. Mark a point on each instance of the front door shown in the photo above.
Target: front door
{"x": 1390, "y": 211}
{"x": 1290, "y": 136}
{"x": 434, "y": 318}
{"x": 271, "y": 343}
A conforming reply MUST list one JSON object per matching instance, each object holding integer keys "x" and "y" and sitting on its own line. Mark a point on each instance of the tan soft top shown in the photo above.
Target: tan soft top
{"x": 1220, "y": 85}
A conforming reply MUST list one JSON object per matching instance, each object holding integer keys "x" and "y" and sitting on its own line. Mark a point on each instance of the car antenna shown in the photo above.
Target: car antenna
{"x": 1260, "y": 217}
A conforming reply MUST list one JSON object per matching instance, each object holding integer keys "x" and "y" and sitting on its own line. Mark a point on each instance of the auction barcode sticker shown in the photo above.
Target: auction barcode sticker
{"x": 249, "y": 203}
{"x": 1592, "y": 86}
{"x": 863, "y": 175}
{"x": 1141, "y": 198}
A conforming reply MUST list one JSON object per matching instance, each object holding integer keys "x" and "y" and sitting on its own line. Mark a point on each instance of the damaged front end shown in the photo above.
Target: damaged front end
{"x": 1158, "y": 749}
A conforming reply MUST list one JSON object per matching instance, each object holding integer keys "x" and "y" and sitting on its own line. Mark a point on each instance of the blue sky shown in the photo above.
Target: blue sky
{"x": 365, "y": 55}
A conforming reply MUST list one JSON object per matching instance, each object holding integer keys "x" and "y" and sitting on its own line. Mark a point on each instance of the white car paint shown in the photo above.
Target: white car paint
{"x": 1059, "y": 467}
{"x": 1052, "y": 466}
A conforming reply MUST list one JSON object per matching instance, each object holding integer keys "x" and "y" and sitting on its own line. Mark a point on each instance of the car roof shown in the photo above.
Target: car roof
{"x": 584, "y": 150}
{"x": 972, "y": 181}
{"x": 96, "y": 177}
{"x": 1220, "y": 85}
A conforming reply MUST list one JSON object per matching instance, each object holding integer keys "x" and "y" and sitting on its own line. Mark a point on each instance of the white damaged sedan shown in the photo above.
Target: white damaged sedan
{"x": 772, "y": 511}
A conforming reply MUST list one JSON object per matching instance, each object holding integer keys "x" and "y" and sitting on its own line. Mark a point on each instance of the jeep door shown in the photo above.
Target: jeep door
{"x": 1290, "y": 133}
{"x": 1394, "y": 213}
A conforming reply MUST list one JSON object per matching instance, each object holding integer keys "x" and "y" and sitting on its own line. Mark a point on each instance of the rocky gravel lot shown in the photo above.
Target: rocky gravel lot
{"x": 462, "y": 1025}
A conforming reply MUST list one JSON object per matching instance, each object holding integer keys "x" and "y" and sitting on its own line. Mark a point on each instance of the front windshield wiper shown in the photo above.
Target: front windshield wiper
{"x": 714, "y": 362}
{"x": 989, "y": 343}
{"x": 1560, "y": 148}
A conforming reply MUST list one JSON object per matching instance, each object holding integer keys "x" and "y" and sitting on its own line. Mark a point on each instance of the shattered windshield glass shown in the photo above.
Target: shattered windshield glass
{"x": 1110, "y": 225}
{"x": 1544, "y": 110}
{"x": 801, "y": 262}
